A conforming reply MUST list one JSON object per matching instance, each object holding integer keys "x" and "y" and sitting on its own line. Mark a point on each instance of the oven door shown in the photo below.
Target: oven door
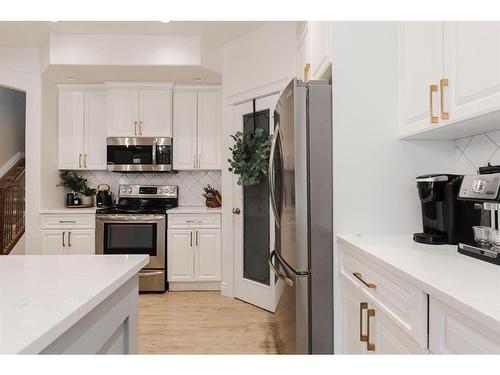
{"x": 133, "y": 234}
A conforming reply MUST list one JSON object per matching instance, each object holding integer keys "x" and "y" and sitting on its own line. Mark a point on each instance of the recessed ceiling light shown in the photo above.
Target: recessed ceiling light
{"x": 197, "y": 79}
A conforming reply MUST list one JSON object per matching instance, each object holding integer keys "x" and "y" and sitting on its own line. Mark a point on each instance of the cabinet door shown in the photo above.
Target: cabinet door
{"x": 70, "y": 129}
{"x": 320, "y": 41}
{"x": 420, "y": 65}
{"x": 209, "y": 130}
{"x": 207, "y": 257}
{"x": 53, "y": 242}
{"x": 155, "y": 113}
{"x": 184, "y": 130}
{"x": 388, "y": 337}
{"x": 180, "y": 255}
{"x": 303, "y": 49}
{"x": 95, "y": 129}
{"x": 472, "y": 61}
{"x": 80, "y": 242}
{"x": 451, "y": 332}
{"x": 351, "y": 320}
{"x": 123, "y": 113}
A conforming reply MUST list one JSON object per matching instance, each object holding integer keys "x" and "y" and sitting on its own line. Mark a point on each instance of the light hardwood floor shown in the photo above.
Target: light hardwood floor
{"x": 203, "y": 323}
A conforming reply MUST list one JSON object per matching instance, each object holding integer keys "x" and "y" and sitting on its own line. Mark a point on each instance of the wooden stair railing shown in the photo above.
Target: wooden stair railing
{"x": 12, "y": 207}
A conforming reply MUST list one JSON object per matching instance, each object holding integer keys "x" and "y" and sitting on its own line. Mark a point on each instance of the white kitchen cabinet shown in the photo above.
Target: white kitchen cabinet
{"x": 451, "y": 332}
{"x": 185, "y": 130}
{"x": 139, "y": 110}
{"x": 194, "y": 251}
{"x": 209, "y": 130}
{"x": 351, "y": 302}
{"x": 472, "y": 67}
{"x": 313, "y": 46}
{"x": 207, "y": 257}
{"x": 70, "y": 127}
{"x": 197, "y": 129}
{"x": 81, "y": 125}
{"x": 123, "y": 112}
{"x": 449, "y": 80}
{"x": 67, "y": 242}
{"x": 420, "y": 66}
{"x": 180, "y": 255}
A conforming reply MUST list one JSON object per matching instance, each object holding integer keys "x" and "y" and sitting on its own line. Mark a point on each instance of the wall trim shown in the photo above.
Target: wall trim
{"x": 11, "y": 162}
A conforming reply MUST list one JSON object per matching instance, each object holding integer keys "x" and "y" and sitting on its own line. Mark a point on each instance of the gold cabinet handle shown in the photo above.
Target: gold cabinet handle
{"x": 362, "y": 306}
{"x": 85, "y": 161}
{"x": 135, "y": 127}
{"x": 370, "y": 346}
{"x": 199, "y": 156}
{"x": 358, "y": 276}
{"x": 191, "y": 243}
{"x": 197, "y": 238}
{"x": 80, "y": 161}
{"x": 194, "y": 160}
{"x": 69, "y": 239}
{"x": 307, "y": 68}
{"x": 63, "y": 244}
{"x": 432, "y": 90}
{"x": 140, "y": 127}
{"x": 442, "y": 84}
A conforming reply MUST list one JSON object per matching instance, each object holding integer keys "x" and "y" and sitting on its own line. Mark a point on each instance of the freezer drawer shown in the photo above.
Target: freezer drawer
{"x": 292, "y": 313}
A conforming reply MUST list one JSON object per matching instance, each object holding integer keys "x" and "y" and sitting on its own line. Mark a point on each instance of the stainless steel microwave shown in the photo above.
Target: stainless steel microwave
{"x": 139, "y": 154}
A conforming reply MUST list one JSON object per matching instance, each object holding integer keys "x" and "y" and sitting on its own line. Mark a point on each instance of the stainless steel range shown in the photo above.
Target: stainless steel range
{"x": 138, "y": 225}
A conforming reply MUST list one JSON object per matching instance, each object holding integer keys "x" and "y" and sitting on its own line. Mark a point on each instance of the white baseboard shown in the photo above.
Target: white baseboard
{"x": 10, "y": 163}
{"x": 193, "y": 285}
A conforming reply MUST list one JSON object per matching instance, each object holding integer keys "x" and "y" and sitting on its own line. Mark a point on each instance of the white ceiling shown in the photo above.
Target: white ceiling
{"x": 34, "y": 34}
{"x": 213, "y": 35}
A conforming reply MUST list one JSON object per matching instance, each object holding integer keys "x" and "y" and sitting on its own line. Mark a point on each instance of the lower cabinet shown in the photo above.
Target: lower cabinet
{"x": 194, "y": 252}
{"x": 367, "y": 329}
{"x": 451, "y": 332}
{"x": 68, "y": 241}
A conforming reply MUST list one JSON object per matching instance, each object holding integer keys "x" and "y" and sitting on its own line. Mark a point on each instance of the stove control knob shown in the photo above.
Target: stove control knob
{"x": 160, "y": 191}
{"x": 129, "y": 190}
{"x": 123, "y": 189}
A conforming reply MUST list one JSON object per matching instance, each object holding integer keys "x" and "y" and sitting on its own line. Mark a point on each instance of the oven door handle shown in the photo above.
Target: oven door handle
{"x": 150, "y": 273}
{"x": 128, "y": 218}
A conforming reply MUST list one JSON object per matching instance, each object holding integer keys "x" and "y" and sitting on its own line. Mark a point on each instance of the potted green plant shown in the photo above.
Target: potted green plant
{"x": 87, "y": 196}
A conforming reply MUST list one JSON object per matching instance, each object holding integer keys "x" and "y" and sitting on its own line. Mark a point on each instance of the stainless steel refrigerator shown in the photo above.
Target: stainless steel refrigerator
{"x": 301, "y": 195}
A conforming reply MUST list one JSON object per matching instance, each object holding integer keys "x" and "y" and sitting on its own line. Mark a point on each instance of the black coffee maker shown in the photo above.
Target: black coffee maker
{"x": 445, "y": 219}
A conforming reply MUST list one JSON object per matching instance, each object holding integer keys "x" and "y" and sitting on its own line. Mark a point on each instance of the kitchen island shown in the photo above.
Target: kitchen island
{"x": 79, "y": 304}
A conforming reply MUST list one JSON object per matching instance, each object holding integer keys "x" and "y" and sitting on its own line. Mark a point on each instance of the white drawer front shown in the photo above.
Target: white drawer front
{"x": 67, "y": 221}
{"x": 194, "y": 221}
{"x": 401, "y": 301}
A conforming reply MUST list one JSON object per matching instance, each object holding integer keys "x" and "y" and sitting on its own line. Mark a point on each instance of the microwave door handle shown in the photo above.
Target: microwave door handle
{"x": 154, "y": 153}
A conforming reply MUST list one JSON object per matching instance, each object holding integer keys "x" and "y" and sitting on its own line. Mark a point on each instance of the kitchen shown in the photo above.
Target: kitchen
{"x": 153, "y": 136}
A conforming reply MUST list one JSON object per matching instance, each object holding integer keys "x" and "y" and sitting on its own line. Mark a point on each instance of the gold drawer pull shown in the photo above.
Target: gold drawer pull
{"x": 442, "y": 84}
{"x": 370, "y": 346}
{"x": 362, "y": 306}
{"x": 358, "y": 276}
{"x": 433, "y": 89}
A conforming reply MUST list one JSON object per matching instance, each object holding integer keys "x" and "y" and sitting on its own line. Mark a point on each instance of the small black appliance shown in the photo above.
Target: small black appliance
{"x": 104, "y": 196}
{"x": 445, "y": 219}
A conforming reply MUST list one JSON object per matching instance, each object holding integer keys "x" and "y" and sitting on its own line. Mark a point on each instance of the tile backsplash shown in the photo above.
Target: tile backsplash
{"x": 477, "y": 151}
{"x": 190, "y": 183}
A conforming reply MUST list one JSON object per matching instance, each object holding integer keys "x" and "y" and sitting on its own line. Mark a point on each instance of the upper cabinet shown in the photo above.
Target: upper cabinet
{"x": 313, "y": 45}
{"x": 449, "y": 78}
{"x": 136, "y": 111}
{"x": 81, "y": 124}
{"x": 197, "y": 129}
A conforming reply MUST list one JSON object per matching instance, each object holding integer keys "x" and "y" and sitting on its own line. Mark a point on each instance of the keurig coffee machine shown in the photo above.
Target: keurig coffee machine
{"x": 445, "y": 219}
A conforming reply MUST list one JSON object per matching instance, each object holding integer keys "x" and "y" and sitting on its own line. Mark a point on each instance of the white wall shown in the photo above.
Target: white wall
{"x": 258, "y": 58}
{"x": 374, "y": 190}
{"x": 20, "y": 69}
{"x": 12, "y": 126}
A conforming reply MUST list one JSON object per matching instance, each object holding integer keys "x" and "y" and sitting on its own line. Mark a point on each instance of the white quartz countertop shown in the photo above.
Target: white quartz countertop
{"x": 65, "y": 210}
{"x": 465, "y": 283}
{"x": 41, "y": 296}
{"x": 194, "y": 210}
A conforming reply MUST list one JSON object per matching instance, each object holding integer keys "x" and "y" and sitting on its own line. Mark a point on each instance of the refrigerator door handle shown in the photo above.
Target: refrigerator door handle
{"x": 278, "y": 273}
{"x": 271, "y": 175}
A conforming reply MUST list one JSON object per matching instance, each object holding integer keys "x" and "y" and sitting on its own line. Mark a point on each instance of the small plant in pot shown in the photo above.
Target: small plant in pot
{"x": 78, "y": 184}
{"x": 87, "y": 196}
